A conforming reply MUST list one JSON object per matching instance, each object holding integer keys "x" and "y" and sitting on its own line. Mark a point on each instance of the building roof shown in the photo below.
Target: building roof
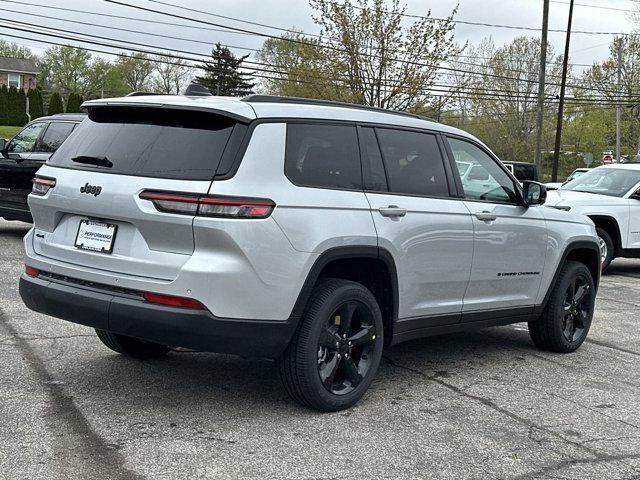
{"x": 18, "y": 65}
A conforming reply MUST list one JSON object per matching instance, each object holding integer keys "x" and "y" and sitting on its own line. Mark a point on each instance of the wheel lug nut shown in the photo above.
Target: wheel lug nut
{"x": 373, "y": 337}
{"x": 339, "y": 356}
{"x": 349, "y": 343}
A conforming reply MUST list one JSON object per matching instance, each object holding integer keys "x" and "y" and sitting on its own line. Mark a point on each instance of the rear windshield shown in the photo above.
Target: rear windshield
{"x": 148, "y": 142}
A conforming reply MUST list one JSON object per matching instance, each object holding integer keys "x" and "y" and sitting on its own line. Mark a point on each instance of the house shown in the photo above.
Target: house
{"x": 18, "y": 72}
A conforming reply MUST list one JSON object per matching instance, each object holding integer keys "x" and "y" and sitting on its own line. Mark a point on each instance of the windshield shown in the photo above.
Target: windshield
{"x": 576, "y": 174}
{"x": 151, "y": 142}
{"x": 614, "y": 182}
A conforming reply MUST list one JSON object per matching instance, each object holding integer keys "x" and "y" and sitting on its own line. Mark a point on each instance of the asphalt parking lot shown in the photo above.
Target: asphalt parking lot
{"x": 480, "y": 405}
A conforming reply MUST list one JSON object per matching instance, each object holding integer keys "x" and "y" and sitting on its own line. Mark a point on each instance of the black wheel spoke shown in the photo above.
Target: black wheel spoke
{"x": 329, "y": 371}
{"x": 329, "y": 337}
{"x": 351, "y": 371}
{"x": 365, "y": 335}
{"x": 569, "y": 328}
{"x": 345, "y": 314}
{"x": 580, "y": 293}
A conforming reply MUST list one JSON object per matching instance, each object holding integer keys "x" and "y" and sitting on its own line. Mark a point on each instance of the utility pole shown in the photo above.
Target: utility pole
{"x": 563, "y": 84}
{"x": 618, "y": 108}
{"x": 541, "y": 81}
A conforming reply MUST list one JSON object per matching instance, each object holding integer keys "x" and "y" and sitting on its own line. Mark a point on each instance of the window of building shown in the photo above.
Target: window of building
{"x": 14, "y": 80}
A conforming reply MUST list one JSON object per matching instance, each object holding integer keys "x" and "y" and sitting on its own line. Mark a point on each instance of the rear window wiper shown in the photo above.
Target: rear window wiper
{"x": 89, "y": 160}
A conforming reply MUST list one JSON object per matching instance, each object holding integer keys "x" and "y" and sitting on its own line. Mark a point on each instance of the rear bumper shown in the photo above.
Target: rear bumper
{"x": 130, "y": 315}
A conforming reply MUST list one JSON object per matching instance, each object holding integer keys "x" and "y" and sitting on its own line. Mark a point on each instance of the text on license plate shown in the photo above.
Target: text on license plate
{"x": 96, "y": 236}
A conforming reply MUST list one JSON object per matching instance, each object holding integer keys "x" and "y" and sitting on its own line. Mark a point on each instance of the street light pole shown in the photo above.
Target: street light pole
{"x": 563, "y": 84}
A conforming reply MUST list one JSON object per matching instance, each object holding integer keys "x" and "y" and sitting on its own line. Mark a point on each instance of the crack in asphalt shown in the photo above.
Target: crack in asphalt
{"x": 612, "y": 346}
{"x": 75, "y": 440}
{"x": 576, "y": 461}
{"x": 489, "y": 403}
{"x": 598, "y": 457}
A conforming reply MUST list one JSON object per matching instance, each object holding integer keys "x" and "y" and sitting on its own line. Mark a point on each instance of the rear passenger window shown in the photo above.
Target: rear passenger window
{"x": 413, "y": 162}
{"x": 55, "y": 135}
{"x": 320, "y": 155}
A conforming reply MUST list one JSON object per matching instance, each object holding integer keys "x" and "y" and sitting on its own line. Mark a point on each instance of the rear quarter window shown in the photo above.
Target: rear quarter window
{"x": 152, "y": 142}
{"x": 319, "y": 155}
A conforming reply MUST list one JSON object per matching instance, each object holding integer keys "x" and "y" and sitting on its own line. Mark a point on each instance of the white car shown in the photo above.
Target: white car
{"x": 578, "y": 172}
{"x": 610, "y": 196}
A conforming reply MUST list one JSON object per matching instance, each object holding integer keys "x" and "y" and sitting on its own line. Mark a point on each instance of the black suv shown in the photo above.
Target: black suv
{"x": 24, "y": 154}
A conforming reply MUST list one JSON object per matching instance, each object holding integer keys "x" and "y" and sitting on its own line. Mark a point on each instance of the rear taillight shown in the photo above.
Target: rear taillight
{"x": 171, "y": 301}
{"x": 210, "y": 205}
{"x": 41, "y": 185}
{"x": 32, "y": 272}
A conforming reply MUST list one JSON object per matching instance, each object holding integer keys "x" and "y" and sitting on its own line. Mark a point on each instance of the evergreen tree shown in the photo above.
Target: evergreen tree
{"x": 17, "y": 115}
{"x": 55, "y": 104}
{"x": 21, "y": 108}
{"x": 73, "y": 103}
{"x": 36, "y": 107}
{"x": 4, "y": 105}
{"x": 222, "y": 75}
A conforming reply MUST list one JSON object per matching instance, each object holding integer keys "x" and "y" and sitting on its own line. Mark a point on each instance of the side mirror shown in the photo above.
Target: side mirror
{"x": 635, "y": 195}
{"x": 3, "y": 147}
{"x": 534, "y": 193}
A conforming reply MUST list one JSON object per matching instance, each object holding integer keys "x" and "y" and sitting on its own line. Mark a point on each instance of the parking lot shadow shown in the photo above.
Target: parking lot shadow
{"x": 230, "y": 385}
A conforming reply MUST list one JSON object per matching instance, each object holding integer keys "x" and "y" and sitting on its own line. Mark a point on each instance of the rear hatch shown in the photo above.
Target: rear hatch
{"x": 94, "y": 216}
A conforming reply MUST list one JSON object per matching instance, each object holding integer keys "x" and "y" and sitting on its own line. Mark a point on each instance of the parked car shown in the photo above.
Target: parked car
{"x": 575, "y": 174}
{"x": 23, "y": 155}
{"x": 310, "y": 232}
{"x": 610, "y": 196}
{"x": 523, "y": 171}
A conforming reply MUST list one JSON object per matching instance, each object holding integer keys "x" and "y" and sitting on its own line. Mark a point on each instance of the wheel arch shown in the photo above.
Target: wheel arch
{"x": 585, "y": 252}
{"x": 372, "y": 266}
{"x": 610, "y": 225}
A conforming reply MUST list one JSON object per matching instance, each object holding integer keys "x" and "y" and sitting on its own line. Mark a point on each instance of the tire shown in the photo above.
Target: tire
{"x": 330, "y": 363}
{"x": 131, "y": 347}
{"x": 606, "y": 242}
{"x": 565, "y": 322}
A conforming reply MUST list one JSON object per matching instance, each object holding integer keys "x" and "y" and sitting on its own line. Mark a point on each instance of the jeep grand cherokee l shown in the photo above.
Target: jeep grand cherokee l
{"x": 312, "y": 233}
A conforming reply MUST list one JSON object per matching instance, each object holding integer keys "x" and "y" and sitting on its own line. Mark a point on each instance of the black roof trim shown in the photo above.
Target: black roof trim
{"x": 327, "y": 103}
{"x": 142, "y": 94}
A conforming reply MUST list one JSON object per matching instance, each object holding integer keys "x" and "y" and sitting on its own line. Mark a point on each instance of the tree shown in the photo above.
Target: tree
{"x": 74, "y": 102}
{"x": 602, "y": 78}
{"x": 4, "y": 105}
{"x": 55, "y": 104}
{"x": 501, "y": 94}
{"x": 307, "y": 73}
{"x": 36, "y": 107}
{"x": 67, "y": 69}
{"x": 170, "y": 74}
{"x": 17, "y": 107}
{"x": 367, "y": 54}
{"x": 14, "y": 50}
{"x": 222, "y": 75}
{"x": 135, "y": 71}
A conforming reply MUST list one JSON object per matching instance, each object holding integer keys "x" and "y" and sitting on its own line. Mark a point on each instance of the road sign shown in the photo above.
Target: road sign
{"x": 607, "y": 159}
{"x": 588, "y": 159}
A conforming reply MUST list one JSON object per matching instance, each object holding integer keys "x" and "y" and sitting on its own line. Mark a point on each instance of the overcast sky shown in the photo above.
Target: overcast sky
{"x": 614, "y": 17}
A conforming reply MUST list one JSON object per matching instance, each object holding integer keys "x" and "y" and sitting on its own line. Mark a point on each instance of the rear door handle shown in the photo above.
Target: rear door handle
{"x": 486, "y": 216}
{"x": 392, "y": 211}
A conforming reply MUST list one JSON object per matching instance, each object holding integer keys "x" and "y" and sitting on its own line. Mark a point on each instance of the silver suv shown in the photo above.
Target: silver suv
{"x": 309, "y": 232}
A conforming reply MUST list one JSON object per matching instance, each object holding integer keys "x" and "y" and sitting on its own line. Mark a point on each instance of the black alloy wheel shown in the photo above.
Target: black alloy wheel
{"x": 576, "y": 308}
{"x": 334, "y": 355}
{"x": 566, "y": 319}
{"x": 345, "y": 347}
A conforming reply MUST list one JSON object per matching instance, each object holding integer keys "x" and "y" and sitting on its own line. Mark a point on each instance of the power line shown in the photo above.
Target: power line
{"x": 470, "y": 94}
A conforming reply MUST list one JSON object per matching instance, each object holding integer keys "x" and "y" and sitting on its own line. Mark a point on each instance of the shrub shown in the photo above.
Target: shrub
{"x": 55, "y": 104}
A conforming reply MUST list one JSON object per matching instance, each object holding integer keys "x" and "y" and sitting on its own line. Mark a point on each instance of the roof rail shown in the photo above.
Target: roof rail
{"x": 142, "y": 94}
{"x": 327, "y": 103}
